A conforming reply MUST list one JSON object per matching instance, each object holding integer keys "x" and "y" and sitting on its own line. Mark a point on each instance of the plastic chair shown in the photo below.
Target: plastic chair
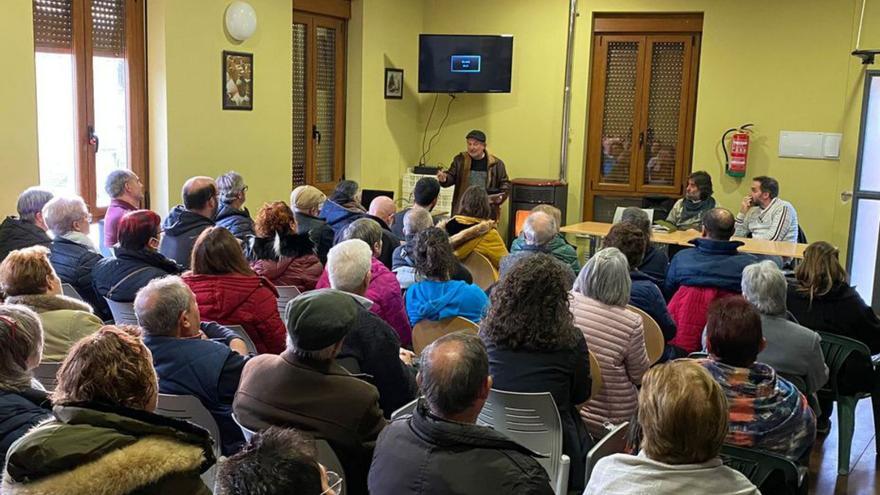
{"x": 239, "y": 331}
{"x": 612, "y": 443}
{"x": 328, "y": 458}
{"x": 189, "y": 408}
{"x": 532, "y": 420}
{"x": 69, "y": 291}
{"x": 47, "y": 375}
{"x": 759, "y": 466}
{"x": 245, "y": 431}
{"x": 618, "y": 214}
{"x": 837, "y": 349}
{"x": 426, "y": 331}
{"x": 105, "y": 250}
{"x": 123, "y": 312}
{"x": 654, "y": 341}
{"x": 698, "y": 355}
{"x": 405, "y": 410}
{"x": 285, "y": 294}
{"x": 481, "y": 269}
{"x": 595, "y": 375}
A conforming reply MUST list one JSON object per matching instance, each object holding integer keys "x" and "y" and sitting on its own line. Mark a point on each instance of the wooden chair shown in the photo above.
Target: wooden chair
{"x": 427, "y": 331}
{"x": 595, "y": 375}
{"x": 654, "y": 341}
{"x": 481, "y": 269}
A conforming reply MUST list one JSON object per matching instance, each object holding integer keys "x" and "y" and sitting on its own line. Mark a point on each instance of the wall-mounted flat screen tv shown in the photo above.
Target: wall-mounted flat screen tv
{"x": 465, "y": 63}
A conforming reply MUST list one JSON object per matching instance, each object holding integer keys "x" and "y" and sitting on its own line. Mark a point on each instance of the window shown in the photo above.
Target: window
{"x": 91, "y": 110}
{"x": 643, "y": 89}
{"x": 319, "y": 93}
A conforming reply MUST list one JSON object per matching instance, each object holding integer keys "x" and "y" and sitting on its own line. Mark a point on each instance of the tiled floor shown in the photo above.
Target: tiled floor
{"x": 863, "y": 480}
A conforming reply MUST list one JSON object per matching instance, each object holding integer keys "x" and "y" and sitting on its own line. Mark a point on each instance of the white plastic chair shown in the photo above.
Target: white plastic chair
{"x": 123, "y": 312}
{"x": 612, "y": 443}
{"x": 618, "y": 213}
{"x": 405, "y": 410}
{"x": 239, "y": 331}
{"x": 245, "y": 431}
{"x": 189, "y": 408}
{"x": 47, "y": 375}
{"x": 328, "y": 458}
{"x": 285, "y": 294}
{"x": 532, "y": 420}
{"x": 70, "y": 291}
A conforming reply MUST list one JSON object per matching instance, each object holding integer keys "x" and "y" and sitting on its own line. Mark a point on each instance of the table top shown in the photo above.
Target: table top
{"x": 683, "y": 238}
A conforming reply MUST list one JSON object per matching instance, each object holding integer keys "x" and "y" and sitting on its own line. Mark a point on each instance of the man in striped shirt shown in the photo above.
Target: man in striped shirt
{"x": 763, "y": 215}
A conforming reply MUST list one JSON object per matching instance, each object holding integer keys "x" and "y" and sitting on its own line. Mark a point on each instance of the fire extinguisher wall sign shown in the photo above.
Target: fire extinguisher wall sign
{"x": 737, "y": 158}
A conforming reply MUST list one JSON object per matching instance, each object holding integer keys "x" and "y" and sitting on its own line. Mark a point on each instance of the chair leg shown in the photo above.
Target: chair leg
{"x": 875, "y": 406}
{"x": 846, "y": 412}
{"x": 561, "y": 487}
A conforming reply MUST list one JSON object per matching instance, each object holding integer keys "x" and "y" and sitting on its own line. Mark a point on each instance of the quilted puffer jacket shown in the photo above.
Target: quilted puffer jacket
{"x": 291, "y": 262}
{"x": 689, "y": 308}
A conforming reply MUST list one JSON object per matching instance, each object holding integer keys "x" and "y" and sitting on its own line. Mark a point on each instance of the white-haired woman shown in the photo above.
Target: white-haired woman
{"x": 614, "y": 334}
{"x": 232, "y": 215}
{"x": 73, "y": 255}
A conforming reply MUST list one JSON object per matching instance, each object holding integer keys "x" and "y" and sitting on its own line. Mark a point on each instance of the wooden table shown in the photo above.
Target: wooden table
{"x": 683, "y": 238}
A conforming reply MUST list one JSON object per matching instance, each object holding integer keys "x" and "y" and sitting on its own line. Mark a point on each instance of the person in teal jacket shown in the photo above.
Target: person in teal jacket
{"x": 558, "y": 247}
{"x": 437, "y": 297}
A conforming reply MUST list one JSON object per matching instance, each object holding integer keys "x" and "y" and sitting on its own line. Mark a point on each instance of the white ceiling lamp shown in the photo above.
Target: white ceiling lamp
{"x": 241, "y": 20}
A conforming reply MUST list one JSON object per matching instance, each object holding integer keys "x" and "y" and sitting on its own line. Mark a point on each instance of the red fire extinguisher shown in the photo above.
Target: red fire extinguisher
{"x": 737, "y": 158}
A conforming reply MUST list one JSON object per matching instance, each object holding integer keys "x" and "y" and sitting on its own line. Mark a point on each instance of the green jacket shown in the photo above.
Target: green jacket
{"x": 559, "y": 248}
{"x": 99, "y": 449}
{"x": 65, "y": 321}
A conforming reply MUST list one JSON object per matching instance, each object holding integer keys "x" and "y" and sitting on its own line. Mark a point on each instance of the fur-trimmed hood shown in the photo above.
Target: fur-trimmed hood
{"x": 476, "y": 229}
{"x": 272, "y": 248}
{"x": 42, "y": 303}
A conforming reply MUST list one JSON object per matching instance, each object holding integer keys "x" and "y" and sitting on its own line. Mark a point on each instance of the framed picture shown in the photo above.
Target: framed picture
{"x": 393, "y": 84}
{"x": 238, "y": 81}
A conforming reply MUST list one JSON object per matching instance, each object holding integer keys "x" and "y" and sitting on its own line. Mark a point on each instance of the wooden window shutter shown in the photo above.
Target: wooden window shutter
{"x": 108, "y": 28}
{"x": 53, "y": 25}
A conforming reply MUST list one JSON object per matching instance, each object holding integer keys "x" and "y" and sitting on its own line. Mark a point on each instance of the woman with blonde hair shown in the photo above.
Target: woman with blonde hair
{"x": 104, "y": 436}
{"x": 281, "y": 254}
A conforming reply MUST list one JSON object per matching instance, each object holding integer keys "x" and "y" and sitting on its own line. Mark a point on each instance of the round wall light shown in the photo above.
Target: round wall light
{"x": 241, "y": 20}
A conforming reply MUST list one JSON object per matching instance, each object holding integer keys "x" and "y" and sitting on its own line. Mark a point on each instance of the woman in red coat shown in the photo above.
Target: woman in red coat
{"x": 278, "y": 253}
{"x": 230, "y": 293}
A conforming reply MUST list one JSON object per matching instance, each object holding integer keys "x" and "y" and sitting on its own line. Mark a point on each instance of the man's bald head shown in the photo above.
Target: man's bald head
{"x": 539, "y": 228}
{"x": 383, "y": 207}
{"x": 200, "y": 195}
{"x": 454, "y": 373}
{"x": 718, "y": 224}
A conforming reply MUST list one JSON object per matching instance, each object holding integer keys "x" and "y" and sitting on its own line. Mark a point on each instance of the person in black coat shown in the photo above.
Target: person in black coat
{"x": 73, "y": 255}
{"x": 29, "y": 229}
{"x": 655, "y": 262}
{"x": 137, "y": 260}
{"x": 233, "y": 215}
{"x": 439, "y": 449}
{"x": 306, "y": 202}
{"x": 185, "y": 222}
{"x": 21, "y": 406}
{"x": 534, "y": 346}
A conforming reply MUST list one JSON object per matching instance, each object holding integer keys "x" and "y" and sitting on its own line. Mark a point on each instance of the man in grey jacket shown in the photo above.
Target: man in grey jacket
{"x": 763, "y": 215}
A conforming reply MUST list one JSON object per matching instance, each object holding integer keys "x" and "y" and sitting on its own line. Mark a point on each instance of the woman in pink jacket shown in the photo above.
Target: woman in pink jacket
{"x": 614, "y": 335}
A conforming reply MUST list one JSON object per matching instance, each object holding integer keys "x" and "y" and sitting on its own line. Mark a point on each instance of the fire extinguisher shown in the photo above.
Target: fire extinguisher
{"x": 737, "y": 158}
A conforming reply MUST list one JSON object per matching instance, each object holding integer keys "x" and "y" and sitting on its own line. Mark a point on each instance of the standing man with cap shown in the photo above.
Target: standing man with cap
{"x": 305, "y": 388}
{"x": 477, "y": 167}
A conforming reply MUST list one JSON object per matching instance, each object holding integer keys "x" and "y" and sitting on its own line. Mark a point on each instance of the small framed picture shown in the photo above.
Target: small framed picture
{"x": 393, "y": 84}
{"x": 238, "y": 81}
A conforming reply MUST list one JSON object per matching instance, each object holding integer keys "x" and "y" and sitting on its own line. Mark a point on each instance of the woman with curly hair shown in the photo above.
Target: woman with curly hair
{"x": 437, "y": 297}
{"x": 278, "y": 253}
{"x": 472, "y": 229}
{"x": 534, "y": 346}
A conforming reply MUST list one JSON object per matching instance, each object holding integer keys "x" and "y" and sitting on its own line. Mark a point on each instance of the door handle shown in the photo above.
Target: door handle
{"x": 316, "y": 134}
{"x": 93, "y": 138}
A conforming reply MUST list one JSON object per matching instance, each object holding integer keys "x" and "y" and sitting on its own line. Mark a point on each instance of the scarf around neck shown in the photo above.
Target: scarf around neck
{"x": 693, "y": 209}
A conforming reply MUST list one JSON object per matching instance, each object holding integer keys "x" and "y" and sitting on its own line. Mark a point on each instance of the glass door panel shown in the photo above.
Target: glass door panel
{"x": 618, "y": 121}
{"x": 664, "y": 113}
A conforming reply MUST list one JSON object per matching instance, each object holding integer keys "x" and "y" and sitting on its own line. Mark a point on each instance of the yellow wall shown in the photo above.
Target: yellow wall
{"x": 18, "y": 114}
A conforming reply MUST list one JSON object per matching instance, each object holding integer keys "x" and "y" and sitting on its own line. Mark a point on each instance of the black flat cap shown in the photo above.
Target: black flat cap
{"x": 478, "y": 135}
{"x": 320, "y": 318}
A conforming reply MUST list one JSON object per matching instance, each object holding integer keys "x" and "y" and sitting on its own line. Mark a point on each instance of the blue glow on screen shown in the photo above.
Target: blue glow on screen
{"x": 465, "y": 63}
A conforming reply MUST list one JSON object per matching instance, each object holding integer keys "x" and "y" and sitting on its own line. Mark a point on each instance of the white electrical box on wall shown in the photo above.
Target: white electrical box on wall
{"x": 816, "y": 145}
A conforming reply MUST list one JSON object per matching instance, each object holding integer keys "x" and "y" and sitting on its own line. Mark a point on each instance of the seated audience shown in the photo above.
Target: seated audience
{"x": 425, "y": 195}
{"x": 21, "y": 348}
{"x": 557, "y": 246}
{"x": 767, "y": 412}
{"x": 371, "y": 341}
{"x": 347, "y": 194}
{"x": 539, "y": 230}
{"x": 644, "y": 294}
{"x": 29, "y": 229}
{"x": 654, "y": 262}
{"x": 105, "y": 436}
{"x": 276, "y": 461}
{"x": 306, "y": 202}
{"x": 676, "y": 397}
{"x": 136, "y": 260}
{"x": 763, "y": 215}
{"x": 73, "y": 255}
{"x": 185, "y": 222}
{"x": 440, "y": 449}
{"x": 687, "y": 212}
{"x": 305, "y": 388}
{"x": 27, "y": 278}
{"x": 472, "y": 229}
{"x": 279, "y": 253}
{"x": 126, "y": 193}
{"x": 383, "y": 290}
{"x": 403, "y": 266}
{"x": 233, "y": 215}
{"x": 534, "y": 346}
{"x": 344, "y": 208}
{"x": 230, "y": 293}
{"x": 186, "y": 362}
{"x": 698, "y": 276}
{"x": 438, "y": 297}
{"x": 792, "y": 350}
{"x": 382, "y": 210}
{"x": 615, "y": 335}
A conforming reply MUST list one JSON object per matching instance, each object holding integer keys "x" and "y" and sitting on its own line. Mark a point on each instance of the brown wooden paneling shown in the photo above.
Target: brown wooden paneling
{"x": 648, "y": 23}
{"x": 334, "y": 8}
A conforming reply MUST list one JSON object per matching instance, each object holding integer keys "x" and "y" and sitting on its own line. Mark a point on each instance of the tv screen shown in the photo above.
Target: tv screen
{"x": 465, "y": 63}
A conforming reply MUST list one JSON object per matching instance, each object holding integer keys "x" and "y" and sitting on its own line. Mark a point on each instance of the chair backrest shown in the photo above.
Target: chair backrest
{"x": 530, "y": 419}
{"x": 47, "y": 375}
{"x": 406, "y": 409}
{"x": 612, "y": 443}
{"x": 69, "y": 291}
{"x": 427, "y": 331}
{"x": 836, "y": 349}
{"x": 654, "y": 341}
{"x": 105, "y": 250}
{"x": 618, "y": 214}
{"x": 239, "y": 331}
{"x": 758, "y": 466}
{"x": 482, "y": 271}
{"x": 328, "y": 458}
{"x": 188, "y": 408}
{"x": 245, "y": 431}
{"x": 285, "y": 294}
{"x": 123, "y": 312}
{"x": 595, "y": 375}
{"x": 350, "y": 364}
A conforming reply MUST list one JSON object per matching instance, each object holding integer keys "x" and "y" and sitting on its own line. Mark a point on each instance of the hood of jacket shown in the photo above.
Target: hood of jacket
{"x": 432, "y": 300}
{"x": 180, "y": 221}
{"x": 637, "y": 276}
{"x": 147, "y": 257}
{"x": 335, "y": 214}
{"x": 42, "y": 303}
{"x": 16, "y": 233}
{"x": 96, "y": 448}
{"x": 272, "y": 248}
{"x": 713, "y": 246}
{"x": 228, "y": 211}
{"x": 226, "y": 293}
{"x": 474, "y": 228}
